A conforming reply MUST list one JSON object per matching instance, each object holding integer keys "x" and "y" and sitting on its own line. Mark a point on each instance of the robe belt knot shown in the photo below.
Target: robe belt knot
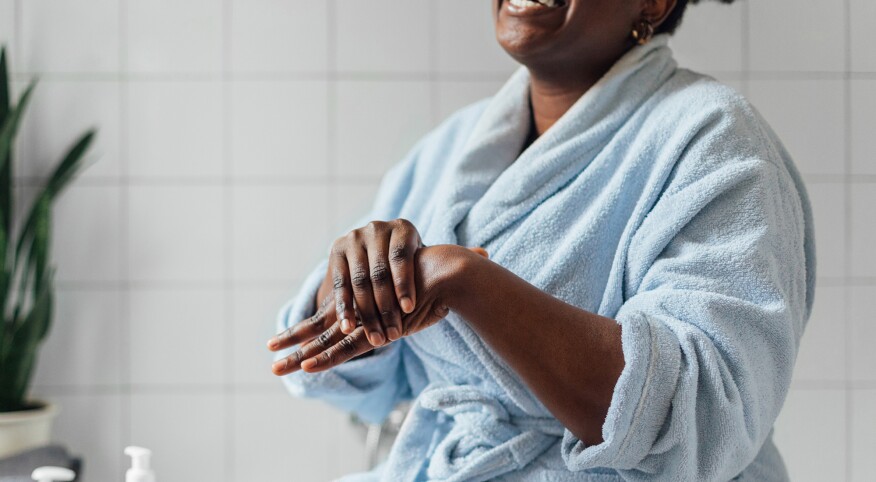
{"x": 483, "y": 440}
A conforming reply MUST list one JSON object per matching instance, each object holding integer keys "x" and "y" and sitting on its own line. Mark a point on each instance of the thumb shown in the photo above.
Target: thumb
{"x": 480, "y": 251}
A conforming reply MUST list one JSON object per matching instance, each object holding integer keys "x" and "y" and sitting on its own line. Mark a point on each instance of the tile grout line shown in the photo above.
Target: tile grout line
{"x": 228, "y": 258}
{"x": 332, "y": 106}
{"x": 746, "y": 49}
{"x": 333, "y": 161}
{"x": 847, "y": 258}
{"x": 434, "y": 86}
{"x": 17, "y": 26}
{"x": 126, "y": 401}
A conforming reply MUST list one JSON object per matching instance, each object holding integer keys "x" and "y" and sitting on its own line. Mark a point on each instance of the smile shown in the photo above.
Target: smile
{"x": 532, "y": 7}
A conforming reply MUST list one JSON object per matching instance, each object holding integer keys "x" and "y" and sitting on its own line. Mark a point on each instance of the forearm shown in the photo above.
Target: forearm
{"x": 570, "y": 358}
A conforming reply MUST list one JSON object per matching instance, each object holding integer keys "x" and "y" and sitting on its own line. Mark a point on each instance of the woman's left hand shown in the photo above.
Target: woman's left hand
{"x": 435, "y": 269}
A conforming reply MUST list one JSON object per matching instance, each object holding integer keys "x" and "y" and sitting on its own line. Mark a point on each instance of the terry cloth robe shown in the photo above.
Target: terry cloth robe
{"x": 661, "y": 199}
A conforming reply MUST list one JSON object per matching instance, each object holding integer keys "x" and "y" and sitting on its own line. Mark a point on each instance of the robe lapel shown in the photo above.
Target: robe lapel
{"x": 493, "y": 190}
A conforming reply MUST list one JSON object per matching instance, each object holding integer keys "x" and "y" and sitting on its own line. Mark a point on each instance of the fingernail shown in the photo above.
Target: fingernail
{"x": 347, "y": 326}
{"x": 376, "y": 339}
{"x": 279, "y": 366}
{"x": 406, "y": 304}
{"x": 392, "y": 333}
{"x": 272, "y": 343}
{"x": 309, "y": 364}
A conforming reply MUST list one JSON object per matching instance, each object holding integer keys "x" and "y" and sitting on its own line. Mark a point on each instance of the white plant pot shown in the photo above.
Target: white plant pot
{"x": 26, "y": 429}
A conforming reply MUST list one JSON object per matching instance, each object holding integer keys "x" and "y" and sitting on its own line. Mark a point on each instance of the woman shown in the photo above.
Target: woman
{"x": 650, "y": 271}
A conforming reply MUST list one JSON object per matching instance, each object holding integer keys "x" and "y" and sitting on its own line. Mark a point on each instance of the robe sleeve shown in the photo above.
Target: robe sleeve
{"x": 369, "y": 386}
{"x": 717, "y": 294}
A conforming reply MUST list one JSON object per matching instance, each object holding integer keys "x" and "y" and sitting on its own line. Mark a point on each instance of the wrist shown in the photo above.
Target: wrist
{"x": 461, "y": 283}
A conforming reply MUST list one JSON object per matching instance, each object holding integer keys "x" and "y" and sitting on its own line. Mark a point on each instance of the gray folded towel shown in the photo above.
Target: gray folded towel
{"x": 17, "y": 468}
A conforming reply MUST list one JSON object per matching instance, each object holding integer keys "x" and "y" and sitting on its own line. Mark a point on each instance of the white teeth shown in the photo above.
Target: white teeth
{"x": 533, "y": 3}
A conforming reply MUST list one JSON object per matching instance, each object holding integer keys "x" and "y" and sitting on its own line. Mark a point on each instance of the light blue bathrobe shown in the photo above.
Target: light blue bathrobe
{"x": 662, "y": 200}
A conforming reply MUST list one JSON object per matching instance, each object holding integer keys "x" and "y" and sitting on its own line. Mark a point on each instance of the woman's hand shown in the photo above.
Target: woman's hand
{"x": 435, "y": 270}
{"x": 372, "y": 272}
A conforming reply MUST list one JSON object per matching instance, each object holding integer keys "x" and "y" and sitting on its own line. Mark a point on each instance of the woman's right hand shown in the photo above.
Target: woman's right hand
{"x": 371, "y": 274}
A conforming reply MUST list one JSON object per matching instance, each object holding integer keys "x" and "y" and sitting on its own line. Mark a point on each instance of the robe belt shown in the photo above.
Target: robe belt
{"x": 479, "y": 440}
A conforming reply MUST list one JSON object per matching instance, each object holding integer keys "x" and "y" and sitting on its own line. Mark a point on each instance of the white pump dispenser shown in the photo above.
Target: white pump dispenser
{"x": 52, "y": 474}
{"x": 139, "y": 471}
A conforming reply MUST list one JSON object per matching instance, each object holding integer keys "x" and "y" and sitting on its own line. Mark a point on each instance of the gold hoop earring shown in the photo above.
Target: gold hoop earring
{"x": 643, "y": 32}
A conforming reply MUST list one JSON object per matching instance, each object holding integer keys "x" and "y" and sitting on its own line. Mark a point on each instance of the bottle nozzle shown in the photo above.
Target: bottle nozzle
{"x": 140, "y": 470}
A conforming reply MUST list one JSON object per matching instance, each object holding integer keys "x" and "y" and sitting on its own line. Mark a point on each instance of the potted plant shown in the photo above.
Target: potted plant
{"x": 26, "y": 280}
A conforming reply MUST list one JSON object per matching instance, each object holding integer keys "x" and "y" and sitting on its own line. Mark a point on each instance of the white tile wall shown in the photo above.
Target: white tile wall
{"x": 862, "y": 331}
{"x": 356, "y": 197}
{"x": 60, "y": 112}
{"x": 86, "y": 238}
{"x": 275, "y": 237}
{"x": 456, "y": 94}
{"x": 279, "y": 36}
{"x": 7, "y": 24}
{"x": 863, "y": 117}
{"x": 825, "y": 334}
{"x": 862, "y": 229}
{"x": 238, "y": 138}
{"x": 369, "y": 40}
{"x": 190, "y": 430}
{"x": 90, "y": 425}
{"x": 829, "y": 208}
{"x": 863, "y": 437}
{"x": 797, "y": 35}
{"x": 467, "y": 42}
{"x": 809, "y": 117}
{"x": 279, "y": 129}
{"x": 813, "y": 422}
{"x": 174, "y": 36}
{"x": 368, "y": 142}
{"x": 83, "y": 38}
{"x": 254, "y": 322}
{"x": 73, "y": 356}
{"x": 177, "y": 337}
{"x": 174, "y": 128}
{"x": 176, "y": 233}
{"x": 862, "y": 13}
{"x": 712, "y": 38}
{"x": 272, "y": 439}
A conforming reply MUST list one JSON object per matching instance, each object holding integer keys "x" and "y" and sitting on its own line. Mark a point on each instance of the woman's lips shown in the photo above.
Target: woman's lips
{"x": 522, "y": 8}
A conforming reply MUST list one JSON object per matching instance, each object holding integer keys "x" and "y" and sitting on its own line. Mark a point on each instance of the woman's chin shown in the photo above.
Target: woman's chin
{"x": 528, "y": 31}
{"x": 525, "y": 47}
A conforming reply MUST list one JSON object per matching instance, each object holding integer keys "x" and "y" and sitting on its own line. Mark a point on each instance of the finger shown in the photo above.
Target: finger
{"x": 343, "y": 290}
{"x": 344, "y": 350}
{"x": 360, "y": 278}
{"x": 304, "y": 330}
{"x": 480, "y": 251}
{"x": 402, "y": 246}
{"x": 323, "y": 342}
{"x": 383, "y": 287}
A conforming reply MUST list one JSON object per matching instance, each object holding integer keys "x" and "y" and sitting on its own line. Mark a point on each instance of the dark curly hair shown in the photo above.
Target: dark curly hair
{"x": 674, "y": 19}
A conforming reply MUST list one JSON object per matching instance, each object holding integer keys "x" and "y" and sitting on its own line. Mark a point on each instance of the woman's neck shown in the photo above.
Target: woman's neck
{"x": 551, "y": 98}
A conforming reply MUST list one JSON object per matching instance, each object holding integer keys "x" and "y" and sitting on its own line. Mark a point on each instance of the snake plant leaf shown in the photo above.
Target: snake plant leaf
{"x": 70, "y": 165}
{"x": 11, "y": 124}
{"x": 6, "y": 207}
{"x": 64, "y": 173}
{"x": 32, "y": 263}
{"x": 4, "y": 87}
{"x": 8, "y": 130}
{"x": 20, "y": 357}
